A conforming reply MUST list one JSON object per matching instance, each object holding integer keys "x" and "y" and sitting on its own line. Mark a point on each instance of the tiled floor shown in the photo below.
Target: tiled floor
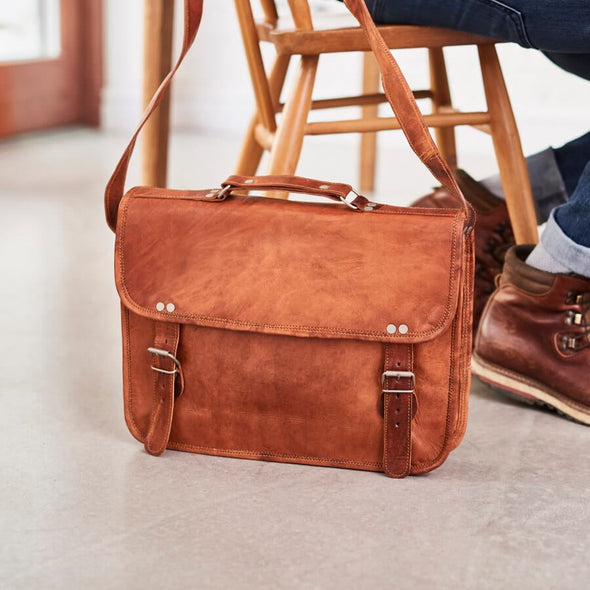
{"x": 83, "y": 506}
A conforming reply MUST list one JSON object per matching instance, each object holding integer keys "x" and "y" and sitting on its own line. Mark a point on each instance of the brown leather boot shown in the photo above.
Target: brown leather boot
{"x": 534, "y": 337}
{"x": 493, "y": 234}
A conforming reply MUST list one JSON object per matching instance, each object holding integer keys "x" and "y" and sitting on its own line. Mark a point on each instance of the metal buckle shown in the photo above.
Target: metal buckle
{"x": 350, "y": 203}
{"x": 223, "y": 192}
{"x": 165, "y": 354}
{"x": 398, "y": 375}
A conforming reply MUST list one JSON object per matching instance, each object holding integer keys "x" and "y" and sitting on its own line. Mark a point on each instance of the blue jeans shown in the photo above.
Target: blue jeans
{"x": 561, "y": 30}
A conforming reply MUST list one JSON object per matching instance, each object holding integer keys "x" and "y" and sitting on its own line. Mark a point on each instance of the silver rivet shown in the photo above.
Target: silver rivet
{"x": 324, "y": 186}
{"x": 403, "y": 329}
{"x": 170, "y": 307}
{"x": 249, "y": 181}
{"x": 391, "y": 328}
{"x": 211, "y": 194}
{"x": 160, "y": 306}
{"x": 369, "y": 208}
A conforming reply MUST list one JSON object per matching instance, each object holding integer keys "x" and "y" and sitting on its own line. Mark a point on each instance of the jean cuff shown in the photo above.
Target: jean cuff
{"x": 547, "y": 184}
{"x": 564, "y": 249}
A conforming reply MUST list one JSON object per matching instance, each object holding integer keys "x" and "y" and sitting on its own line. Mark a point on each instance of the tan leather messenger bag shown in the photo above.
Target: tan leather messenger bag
{"x": 334, "y": 334}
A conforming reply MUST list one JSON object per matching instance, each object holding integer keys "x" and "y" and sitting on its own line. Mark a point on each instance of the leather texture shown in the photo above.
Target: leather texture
{"x": 290, "y": 268}
{"x": 282, "y": 316}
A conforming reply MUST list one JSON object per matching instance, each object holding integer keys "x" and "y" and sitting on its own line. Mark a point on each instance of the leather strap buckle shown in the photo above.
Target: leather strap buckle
{"x": 351, "y": 200}
{"x": 398, "y": 375}
{"x": 168, "y": 355}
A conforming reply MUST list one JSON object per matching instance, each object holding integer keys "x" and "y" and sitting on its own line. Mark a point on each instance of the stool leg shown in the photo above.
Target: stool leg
{"x": 157, "y": 61}
{"x": 368, "y": 148}
{"x": 439, "y": 84}
{"x": 288, "y": 141}
{"x": 513, "y": 170}
{"x": 251, "y": 152}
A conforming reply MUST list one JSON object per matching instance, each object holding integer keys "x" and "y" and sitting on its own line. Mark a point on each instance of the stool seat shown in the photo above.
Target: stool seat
{"x": 337, "y": 40}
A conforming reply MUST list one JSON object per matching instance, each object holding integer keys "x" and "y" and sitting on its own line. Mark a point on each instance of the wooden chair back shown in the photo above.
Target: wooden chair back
{"x": 285, "y": 141}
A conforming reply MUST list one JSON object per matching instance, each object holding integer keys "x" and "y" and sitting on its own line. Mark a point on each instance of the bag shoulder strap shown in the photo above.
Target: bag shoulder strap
{"x": 405, "y": 108}
{"x": 396, "y": 89}
{"x": 115, "y": 189}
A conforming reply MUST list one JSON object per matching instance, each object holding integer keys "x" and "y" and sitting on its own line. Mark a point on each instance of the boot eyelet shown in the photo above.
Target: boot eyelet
{"x": 563, "y": 342}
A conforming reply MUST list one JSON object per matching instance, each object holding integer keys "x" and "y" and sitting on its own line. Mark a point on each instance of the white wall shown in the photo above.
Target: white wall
{"x": 213, "y": 94}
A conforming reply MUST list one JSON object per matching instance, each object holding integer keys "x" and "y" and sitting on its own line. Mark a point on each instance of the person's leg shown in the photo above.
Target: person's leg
{"x": 559, "y": 28}
{"x": 547, "y": 183}
{"x": 565, "y": 243}
{"x": 574, "y": 63}
{"x": 571, "y": 159}
{"x": 574, "y": 216}
{"x": 553, "y": 26}
{"x": 554, "y": 174}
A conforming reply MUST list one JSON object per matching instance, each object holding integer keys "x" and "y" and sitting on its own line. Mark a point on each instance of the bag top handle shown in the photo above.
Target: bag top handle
{"x": 396, "y": 89}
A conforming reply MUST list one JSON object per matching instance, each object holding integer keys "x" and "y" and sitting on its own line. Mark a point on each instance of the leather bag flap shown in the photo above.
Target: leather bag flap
{"x": 288, "y": 267}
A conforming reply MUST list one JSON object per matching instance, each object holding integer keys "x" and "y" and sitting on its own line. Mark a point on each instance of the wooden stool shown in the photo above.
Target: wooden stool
{"x": 283, "y": 136}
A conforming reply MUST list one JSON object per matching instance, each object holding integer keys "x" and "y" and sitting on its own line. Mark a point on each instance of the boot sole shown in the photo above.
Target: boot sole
{"x": 526, "y": 390}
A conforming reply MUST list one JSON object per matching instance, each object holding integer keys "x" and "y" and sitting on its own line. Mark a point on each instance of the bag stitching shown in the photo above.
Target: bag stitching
{"x": 452, "y": 357}
{"x": 386, "y": 412}
{"x": 466, "y": 337}
{"x": 172, "y": 444}
{"x": 407, "y": 467}
{"x": 383, "y": 208}
{"x": 410, "y": 365}
{"x": 180, "y": 445}
{"x": 127, "y": 360}
{"x": 243, "y": 323}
